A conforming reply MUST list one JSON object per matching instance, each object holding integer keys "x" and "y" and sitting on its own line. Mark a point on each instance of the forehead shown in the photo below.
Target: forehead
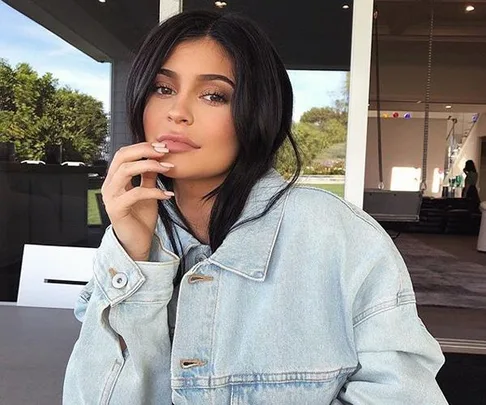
{"x": 200, "y": 56}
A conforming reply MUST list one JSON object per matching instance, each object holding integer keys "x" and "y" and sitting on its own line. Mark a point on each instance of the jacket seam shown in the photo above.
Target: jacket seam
{"x": 211, "y": 355}
{"x": 400, "y": 300}
{"x": 240, "y": 379}
{"x": 345, "y": 203}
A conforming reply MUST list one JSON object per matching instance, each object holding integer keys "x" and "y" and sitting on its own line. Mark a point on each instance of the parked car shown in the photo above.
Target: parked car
{"x": 33, "y": 162}
{"x": 69, "y": 163}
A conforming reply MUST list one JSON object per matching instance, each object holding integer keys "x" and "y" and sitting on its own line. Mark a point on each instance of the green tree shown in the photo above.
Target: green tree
{"x": 36, "y": 115}
{"x": 319, "y": 128}
{"x": 310, "y": 140}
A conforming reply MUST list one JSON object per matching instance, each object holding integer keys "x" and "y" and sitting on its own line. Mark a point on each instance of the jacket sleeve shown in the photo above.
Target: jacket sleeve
{"x": 398, "y": 359}
{"x": 129, "y": 299}
{"x": 83, "y": 299}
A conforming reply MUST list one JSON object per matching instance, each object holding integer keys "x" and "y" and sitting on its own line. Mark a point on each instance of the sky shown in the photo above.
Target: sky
{"x": 23, "y": 40}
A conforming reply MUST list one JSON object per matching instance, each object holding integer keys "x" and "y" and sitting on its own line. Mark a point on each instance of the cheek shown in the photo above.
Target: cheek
{"x": 151, "y": 116}
{"x": 226, "y": 138}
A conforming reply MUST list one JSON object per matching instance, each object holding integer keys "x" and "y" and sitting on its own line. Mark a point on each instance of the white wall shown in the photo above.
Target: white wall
{"x": 471, "y": 149}
{"x": 402, "y": 145}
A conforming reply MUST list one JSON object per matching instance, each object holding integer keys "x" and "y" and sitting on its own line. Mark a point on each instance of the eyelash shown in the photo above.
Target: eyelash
{"x": 222, "y": 99}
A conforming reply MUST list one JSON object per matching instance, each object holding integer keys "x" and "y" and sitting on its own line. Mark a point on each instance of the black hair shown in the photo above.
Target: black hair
{"x": 262, "y": 107}
{"x": 470, "y": 167}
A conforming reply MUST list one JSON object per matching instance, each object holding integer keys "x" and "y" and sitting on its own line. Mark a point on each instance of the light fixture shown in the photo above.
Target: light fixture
{"x": 469, "y": 8}
{"x": 346, "y": 6}
{"x": 448, "y": 107}
{"x": 102, "y": 1}
{"x": 220, "y": 4}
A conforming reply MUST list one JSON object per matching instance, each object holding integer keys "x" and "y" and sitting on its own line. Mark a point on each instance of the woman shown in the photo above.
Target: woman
{"x": 243, "y": 288}
{"x": 470, "y": 190}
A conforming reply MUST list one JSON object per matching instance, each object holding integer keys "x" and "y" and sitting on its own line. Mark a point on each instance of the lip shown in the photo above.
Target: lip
{"x": 177, "y": 140}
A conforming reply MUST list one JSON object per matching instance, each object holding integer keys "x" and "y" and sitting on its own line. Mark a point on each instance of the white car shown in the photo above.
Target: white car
{"x": 67, "y": 163}
{"x": 33, "y": 162}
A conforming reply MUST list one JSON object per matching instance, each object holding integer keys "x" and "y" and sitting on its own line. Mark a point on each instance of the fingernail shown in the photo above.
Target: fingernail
{"x": 158, "y": 145}
{"x": 161, "y": 150}
{"x": 169, "y": 193}
{"x": 166, "y": 164}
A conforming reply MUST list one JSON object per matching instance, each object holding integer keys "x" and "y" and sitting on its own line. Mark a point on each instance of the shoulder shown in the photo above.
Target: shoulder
{"x": 348, "y": 243}
{"x": 325, "y": 208}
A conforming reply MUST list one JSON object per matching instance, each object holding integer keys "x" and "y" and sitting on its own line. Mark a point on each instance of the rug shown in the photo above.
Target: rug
{"x": 440, "y": 278}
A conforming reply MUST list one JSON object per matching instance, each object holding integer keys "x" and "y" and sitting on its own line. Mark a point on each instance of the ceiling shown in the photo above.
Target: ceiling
{"x": 314, "y": 36}
{"x": 458, "y": 55}
{"x": 104, "y": 31}
{"x": 409, "y": 20}
{"x": 308, "y": 35}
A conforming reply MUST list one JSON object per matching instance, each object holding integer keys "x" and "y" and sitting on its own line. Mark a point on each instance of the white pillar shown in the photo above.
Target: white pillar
{"x": 168, "y": 8}
{"x": 358, "y": 101}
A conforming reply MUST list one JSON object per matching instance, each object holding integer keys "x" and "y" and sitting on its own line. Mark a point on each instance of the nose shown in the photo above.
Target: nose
{"x": 180, "y": 113}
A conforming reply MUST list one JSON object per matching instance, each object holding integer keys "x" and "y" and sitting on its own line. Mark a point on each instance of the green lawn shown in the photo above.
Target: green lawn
{"x": 93, "y": 213}
{"x": 337, "y": 189}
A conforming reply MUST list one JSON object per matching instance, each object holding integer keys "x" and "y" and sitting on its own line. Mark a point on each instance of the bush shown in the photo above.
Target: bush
{"x": 337, "y": 168}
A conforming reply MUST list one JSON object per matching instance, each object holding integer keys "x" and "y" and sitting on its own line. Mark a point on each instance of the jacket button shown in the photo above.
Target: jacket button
{"x": 195, "y": 278}
{"x": 120, "y": 280}
{"x": 189, "y": 363}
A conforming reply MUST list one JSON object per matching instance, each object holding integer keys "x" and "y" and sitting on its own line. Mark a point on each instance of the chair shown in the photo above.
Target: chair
{"x": 393, "y": 206}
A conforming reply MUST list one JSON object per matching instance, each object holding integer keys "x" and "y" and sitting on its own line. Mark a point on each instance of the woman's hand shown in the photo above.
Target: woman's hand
{"x": 133, "y": 211}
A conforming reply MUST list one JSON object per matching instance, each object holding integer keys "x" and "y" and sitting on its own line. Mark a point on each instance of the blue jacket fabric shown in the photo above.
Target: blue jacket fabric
{"x": 310, "y": 304}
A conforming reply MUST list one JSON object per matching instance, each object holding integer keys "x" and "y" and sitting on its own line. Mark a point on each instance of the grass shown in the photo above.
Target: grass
{"x": 93, "y": 212}
{"x": 337, "y": 189}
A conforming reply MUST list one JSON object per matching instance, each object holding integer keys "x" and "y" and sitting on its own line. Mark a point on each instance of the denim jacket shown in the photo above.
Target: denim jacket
{"x": 310, "y": 304}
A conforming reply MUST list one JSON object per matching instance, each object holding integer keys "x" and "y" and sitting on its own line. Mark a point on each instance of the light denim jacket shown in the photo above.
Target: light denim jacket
{"x": 311, "y": 304}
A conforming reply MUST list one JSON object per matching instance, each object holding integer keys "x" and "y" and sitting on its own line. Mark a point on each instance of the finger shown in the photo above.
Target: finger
{"x": 134, "y": 153}
{"x": 149, "y": 179}
{"x": 126, "y": 171}
{"x": 137, "y": 194}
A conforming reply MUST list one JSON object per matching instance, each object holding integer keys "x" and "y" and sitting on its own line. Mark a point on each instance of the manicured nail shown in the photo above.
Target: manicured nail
{"x": 161, "y": 150}
{"x": 169, "y": 193}
{"x": 166, "y": 164}
{"x": 158, "y": 145}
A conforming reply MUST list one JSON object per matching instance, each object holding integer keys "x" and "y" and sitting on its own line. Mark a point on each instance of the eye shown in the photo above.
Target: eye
{"x": 215, "y": 98}
{"x": 163, "y": 90}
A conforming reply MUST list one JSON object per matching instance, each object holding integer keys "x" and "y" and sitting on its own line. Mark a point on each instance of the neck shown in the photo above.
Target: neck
{"x": 189, "y": 195}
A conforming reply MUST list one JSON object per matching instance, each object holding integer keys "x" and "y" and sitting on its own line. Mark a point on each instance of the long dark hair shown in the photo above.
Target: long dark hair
{"x": 470, "y": 166}
{"x": 261, "y": 108}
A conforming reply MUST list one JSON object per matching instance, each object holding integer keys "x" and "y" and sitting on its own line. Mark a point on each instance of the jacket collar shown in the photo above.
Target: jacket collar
{"x": 248, "y": 248}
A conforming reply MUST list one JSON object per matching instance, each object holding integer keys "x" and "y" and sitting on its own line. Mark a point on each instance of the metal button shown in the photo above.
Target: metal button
{"x": 120, "y": 280}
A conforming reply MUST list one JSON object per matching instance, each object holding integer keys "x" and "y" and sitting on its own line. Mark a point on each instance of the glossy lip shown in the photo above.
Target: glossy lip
{"x": 177, "y": 138}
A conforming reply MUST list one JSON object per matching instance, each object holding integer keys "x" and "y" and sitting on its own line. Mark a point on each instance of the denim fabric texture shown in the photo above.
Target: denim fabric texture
{"x": 311, "y": 304}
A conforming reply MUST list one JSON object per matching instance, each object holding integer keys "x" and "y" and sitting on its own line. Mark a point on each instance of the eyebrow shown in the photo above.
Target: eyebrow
{"x": 204, "y": 77}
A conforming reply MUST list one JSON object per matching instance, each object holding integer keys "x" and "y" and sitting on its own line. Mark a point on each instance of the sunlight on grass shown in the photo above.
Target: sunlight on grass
{"x": 93, "y": 212}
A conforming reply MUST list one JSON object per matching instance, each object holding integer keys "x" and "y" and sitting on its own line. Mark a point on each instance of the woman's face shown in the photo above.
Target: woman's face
{"x": 190, "y": 111}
